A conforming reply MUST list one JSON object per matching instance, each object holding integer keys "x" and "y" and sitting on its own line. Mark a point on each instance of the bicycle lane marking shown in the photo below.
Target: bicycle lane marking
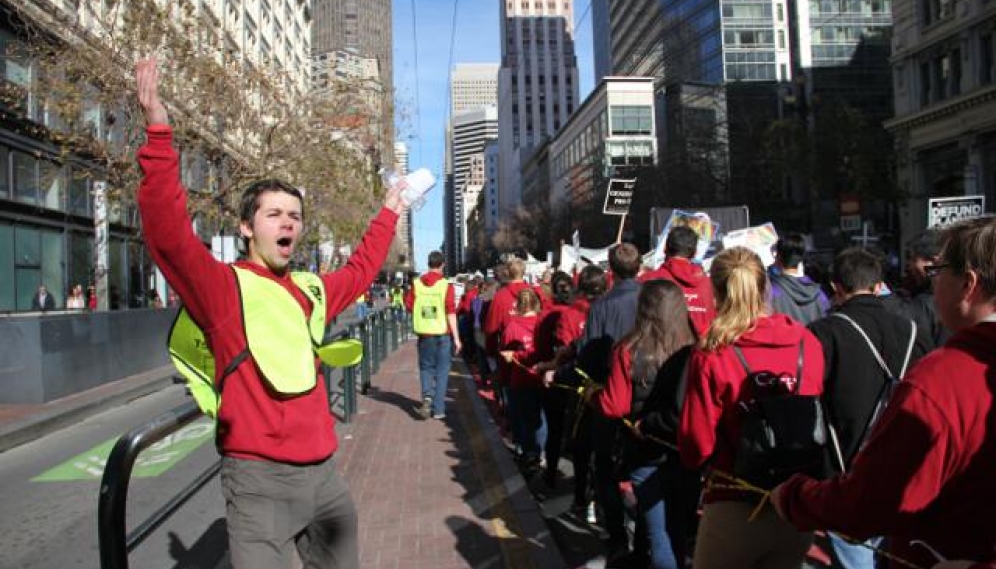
{"x": 152, "y": 462}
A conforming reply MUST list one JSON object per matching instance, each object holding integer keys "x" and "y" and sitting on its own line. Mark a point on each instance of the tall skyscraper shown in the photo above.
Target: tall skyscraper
{"x": 362, "y": 28}
{"x": 537, "y": 85}
{"x": 472, "y": 121}
{"x": 472, "y": 129}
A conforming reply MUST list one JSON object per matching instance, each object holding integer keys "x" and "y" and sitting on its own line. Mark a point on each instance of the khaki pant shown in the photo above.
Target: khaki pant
{"x": 727, "y": 540}
{"x": 283, "y": 515}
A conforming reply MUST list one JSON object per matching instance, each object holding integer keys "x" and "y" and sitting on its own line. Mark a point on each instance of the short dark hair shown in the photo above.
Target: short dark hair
{"x": 562, "y": 288}
{"x": 790, "y": 249}
{"x": 249, "y": 203}
{"x": 624, "y": 260}
{"x": 925, "y": 245}
{"x": 681, "y": 242}
{"x": 856, "y": 269}
{"x": 436, "y": 260}
{"x": 591, "y": 282}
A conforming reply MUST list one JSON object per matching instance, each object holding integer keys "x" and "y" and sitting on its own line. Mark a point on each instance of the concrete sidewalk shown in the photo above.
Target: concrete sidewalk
{"x": 438, "y": 493}
{"x": 430, "y": 493}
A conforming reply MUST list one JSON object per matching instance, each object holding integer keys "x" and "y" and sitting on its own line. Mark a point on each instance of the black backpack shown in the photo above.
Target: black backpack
{"x": 783, "y": 433}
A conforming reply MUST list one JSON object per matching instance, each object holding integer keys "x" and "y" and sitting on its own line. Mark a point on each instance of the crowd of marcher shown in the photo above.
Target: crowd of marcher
{"x": 730, "y": 415}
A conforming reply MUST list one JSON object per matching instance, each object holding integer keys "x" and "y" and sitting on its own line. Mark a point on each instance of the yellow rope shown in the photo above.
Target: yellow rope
{"x": 741, "y": 485}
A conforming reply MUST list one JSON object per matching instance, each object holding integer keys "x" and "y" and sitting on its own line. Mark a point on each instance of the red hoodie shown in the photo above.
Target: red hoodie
{"x": 926, "y": 472}
{"x": 519, "y": 336}
{"x": 501, "y": 308}
{"x": 252, "y": 423}
{"x": 710, "y": 418}
{"x": 696, "y": 286}
{"x": 570, "y": 327}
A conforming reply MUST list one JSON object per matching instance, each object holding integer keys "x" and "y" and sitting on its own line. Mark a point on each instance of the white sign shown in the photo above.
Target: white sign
{"x": 618, "y": 196}
{"x": 945, "y": 211}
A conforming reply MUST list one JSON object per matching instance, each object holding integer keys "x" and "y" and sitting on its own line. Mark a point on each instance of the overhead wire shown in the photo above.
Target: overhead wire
{"x": 418, "y": 111}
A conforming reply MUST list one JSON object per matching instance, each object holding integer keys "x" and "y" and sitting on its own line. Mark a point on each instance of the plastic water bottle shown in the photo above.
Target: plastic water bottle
{"x": 414, "y": 186}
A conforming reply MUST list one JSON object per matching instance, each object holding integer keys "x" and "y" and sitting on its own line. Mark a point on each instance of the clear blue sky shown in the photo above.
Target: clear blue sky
{"x": 422, "y": 95}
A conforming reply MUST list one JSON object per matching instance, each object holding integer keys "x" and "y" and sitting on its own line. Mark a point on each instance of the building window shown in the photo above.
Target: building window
{"x": 935, "y": 10}
{"x": 987, "y": 59}
{"x": 781, "y": 12}
{"x": 25, "y": 178}
{"x": 781, "y": 39}
{"x": 631, "y": 119}
{"x": 924, "y": 84}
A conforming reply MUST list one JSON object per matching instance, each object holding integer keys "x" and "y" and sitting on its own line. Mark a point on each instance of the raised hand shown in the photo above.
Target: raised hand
{"x": 147, "y": 80}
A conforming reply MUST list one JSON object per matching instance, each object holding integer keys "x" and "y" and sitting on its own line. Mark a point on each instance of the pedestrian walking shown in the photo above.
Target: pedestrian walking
{"x": 924, "y": 478}
{"x": 866, "y": 350}
{"x": 720, "y": 390}
{"x": 792, "y": 292}
{"x": 275, "y": 431}
{"x": 431, "y": 300}
{"x": 678, "y": 267}
{"x": 646, "y": 375}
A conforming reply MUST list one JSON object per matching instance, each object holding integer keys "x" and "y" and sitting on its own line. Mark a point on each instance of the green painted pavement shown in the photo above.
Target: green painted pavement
{"x": 152, "y": 462}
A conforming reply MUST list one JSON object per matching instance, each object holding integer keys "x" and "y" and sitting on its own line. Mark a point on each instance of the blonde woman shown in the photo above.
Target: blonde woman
{"x": 718, "y": 390}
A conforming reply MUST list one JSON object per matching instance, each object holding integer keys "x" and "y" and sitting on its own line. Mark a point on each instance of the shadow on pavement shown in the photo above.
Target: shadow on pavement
{"x": 206, "y": 553}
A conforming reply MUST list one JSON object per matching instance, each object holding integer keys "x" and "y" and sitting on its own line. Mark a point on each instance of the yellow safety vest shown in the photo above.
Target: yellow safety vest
{"x": 279, "y": 338}
{"x": 429, "y": 308}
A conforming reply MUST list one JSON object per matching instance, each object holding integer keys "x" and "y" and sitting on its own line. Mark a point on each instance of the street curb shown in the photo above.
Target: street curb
{"x": 545, "y": 552}
{"x": 75, "y": 408}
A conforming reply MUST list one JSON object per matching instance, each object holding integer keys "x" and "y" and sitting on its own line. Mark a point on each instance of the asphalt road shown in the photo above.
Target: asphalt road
{"x": 49, "y": 490}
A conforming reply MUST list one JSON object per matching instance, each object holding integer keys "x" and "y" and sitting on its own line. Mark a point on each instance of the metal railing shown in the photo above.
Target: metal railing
{"x": 116, "y": 542}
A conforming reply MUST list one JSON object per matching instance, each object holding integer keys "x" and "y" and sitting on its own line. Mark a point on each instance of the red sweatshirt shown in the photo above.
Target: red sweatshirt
{"x": 546, "y": 331}
{"x": 616, "y": 400}
{"x": 710, "y": 418}
{"x": 502, "y": 306}
{"x": 696, "y": 286}
{"x": 519, "y": 336}
{"x": 926, "y": 472}
{"x": 464, "y": 308}
{"x": 251, "y": 422}
{"x": 428, "y": 279}
{"x": 570, "y": 327}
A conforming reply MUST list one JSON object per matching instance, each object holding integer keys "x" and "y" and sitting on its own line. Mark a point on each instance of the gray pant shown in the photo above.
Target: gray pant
{"x": 274, "y": 509}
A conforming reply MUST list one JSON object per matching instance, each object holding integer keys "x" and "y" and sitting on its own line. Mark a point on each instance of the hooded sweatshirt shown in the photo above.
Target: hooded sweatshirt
{"x": 252, "y": 423}
{"x": 711, "y": 417}
{"x": 696, "y": 286}
{"x": 798, "y": 297}
{"x": 927, "y": 470}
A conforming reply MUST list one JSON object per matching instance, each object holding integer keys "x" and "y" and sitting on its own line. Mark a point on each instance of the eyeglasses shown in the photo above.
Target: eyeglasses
{"x": 933, "y": 270}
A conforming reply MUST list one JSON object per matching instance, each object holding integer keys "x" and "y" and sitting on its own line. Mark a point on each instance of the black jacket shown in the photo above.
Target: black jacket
{"x": 853, "y": 380}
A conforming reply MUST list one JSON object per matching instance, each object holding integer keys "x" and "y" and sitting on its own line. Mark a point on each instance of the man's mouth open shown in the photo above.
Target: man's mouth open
{"x": 285, "y": 246}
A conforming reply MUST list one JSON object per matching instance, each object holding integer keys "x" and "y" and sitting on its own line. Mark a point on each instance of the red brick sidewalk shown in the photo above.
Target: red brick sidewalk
{"x": 436, "y": 493}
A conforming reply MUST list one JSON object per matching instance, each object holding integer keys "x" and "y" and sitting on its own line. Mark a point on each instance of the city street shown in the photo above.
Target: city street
{"x": 49, "y": 490}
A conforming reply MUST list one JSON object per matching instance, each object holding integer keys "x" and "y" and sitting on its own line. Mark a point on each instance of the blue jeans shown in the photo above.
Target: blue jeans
{"x": 526, "y": 415}
{"x": 845, "y": 555}
{"x": 434, "y": 361}
{"x": 648, "y": 486}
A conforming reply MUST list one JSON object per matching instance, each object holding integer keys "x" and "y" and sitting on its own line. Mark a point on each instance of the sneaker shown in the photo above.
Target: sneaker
{"x": 426, "y": 409}
{"x": 439, "y": 416}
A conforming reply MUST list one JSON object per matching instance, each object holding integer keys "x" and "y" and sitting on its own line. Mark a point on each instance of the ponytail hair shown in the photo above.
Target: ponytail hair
{"x": 740, "y": 285}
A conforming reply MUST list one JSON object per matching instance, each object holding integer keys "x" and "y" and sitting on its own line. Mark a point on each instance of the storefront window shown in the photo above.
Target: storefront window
{"x": 7, "y": 267}
{"x": 52, "y": 180}
{"x": 25, "y": 178}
